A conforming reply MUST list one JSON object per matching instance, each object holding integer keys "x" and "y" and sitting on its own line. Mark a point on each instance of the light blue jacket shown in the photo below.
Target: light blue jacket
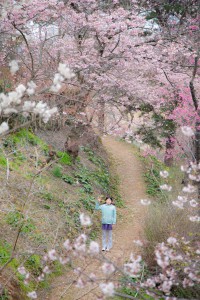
{"x": 108, "y": 213}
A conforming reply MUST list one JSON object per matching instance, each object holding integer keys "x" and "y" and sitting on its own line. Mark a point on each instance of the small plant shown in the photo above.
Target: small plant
{"x": 33, "y": 264}
{"x": 5, "y": 252}
{"x": 88, "y": 203}
{"x": 15, "y": 217}
{"x": 47, "y": 196}
{"x": 69, "y": 179}
{"x": 65, "y": 159}
{"x": 57, "y": 171}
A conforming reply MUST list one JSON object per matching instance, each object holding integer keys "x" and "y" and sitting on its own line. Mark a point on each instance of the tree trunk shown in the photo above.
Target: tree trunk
{"x": 101, "y": 118}
{"x": 168, "y": 159}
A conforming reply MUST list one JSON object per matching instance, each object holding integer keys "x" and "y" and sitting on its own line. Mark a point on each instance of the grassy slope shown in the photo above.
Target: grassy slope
{"x": 46, "y": 205}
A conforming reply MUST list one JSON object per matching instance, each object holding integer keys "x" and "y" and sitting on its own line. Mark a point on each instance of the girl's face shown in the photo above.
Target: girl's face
{"x": 108, "y": 201}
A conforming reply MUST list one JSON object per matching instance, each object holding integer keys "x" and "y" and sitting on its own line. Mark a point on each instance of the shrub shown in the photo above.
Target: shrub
{"x": 57, "y": 171}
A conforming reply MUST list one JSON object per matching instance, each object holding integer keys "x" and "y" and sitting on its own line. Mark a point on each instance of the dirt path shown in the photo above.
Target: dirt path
{"x": 130, "y": 219}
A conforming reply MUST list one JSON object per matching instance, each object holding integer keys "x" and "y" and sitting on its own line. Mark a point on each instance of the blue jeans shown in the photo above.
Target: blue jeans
{"x": 107, "y": 239}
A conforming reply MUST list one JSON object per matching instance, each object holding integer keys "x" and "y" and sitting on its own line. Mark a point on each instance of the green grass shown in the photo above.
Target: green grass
{"x": 65, "y": 158}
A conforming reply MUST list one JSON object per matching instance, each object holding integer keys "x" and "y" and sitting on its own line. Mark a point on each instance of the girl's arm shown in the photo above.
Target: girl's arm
{"x": 98, "y": 206}
{"x": 114, "y": 215}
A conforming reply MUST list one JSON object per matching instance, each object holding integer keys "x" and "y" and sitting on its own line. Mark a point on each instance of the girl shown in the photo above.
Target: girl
{"x": 108, "y": 219}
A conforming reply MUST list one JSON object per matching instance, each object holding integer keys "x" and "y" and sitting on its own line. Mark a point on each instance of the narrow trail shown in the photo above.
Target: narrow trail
{"x": 130, "y": 220}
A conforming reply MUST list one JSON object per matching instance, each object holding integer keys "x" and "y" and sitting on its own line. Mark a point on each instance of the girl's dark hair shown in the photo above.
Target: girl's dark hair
{"x": 110, "y": 199}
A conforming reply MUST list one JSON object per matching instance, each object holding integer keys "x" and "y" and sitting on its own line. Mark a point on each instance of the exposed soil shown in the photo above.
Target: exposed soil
{"x": 129, "y": 168}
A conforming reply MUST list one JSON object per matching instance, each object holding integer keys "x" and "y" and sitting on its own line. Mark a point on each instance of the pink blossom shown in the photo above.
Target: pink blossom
{"x": 108, "y": 268}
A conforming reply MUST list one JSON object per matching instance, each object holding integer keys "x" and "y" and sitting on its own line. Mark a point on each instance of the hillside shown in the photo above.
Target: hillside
{"x": 41, "y": 199}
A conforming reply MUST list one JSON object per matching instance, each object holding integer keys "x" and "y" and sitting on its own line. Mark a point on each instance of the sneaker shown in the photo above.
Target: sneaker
{"x": 107, "y": 249}
{"x": 103, "y": 249}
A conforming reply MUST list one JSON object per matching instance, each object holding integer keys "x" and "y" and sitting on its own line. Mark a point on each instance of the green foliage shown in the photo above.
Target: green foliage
{"x": 3, "y": 161}
{"x": 15, "y": 218}
{"x": 88, "y": 202}
{"x": 84, "y": 177}
{"x": 33, "y": 264}
{"x": 47, "y": 196}
{"x": 69, "y": 179}
{"x": 65, "y": 158}
{"x": 22, "y": 137}
{"x": 5, "y": 295}
{"x": 5, "y": 252}
{"x": 57, "y": 172}
{"x": 153, "y": 178}
{"x": 97, "y": 160}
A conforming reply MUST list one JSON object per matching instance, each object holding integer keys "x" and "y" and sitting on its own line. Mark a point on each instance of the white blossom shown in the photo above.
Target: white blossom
{"x": 166, "y": 187}
{"x": 187, "y": 131}
{"x": 80, "y": 283}
{"x": 20, "y": 89}
{"x": 41, "y": 277}
{"x": 189, "y": 189}
{"x": 31, "y": 88}
{"x": 164, "y": 174}
{"x": 85, "y": 220}
{"x": 58, "y": 78}
{"x": 48, "y": 114}
{"x": 29, "y": 106}
{"x": 193, "y": 203}
{"x": 55, "y": 87}
{"x": 14, "y": 67}
{"x": 107, "y": 288}
{"x": 138, "y": 243}
{"x": 32, "y": 295}
{"x": 67, "y": 245}
{"x": 182, "y": 198}
{"x": 194, "y": 218}
{"x": 172, "y": 241}
{"x": 94, "y": 248}
{"x": 52, "y": 255}
{"x": 108, "y": 268}
{"x": 22, "y": 270}
{"x": 145, "y": 201}
{"x": 178, "y": 204}
{"x": 65, "y": 71}
{"x": 4, "y": 127}
{"x": 10, "y": 110}
{"x": 46, "y": 270}
{"x": 166, "y": 286}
